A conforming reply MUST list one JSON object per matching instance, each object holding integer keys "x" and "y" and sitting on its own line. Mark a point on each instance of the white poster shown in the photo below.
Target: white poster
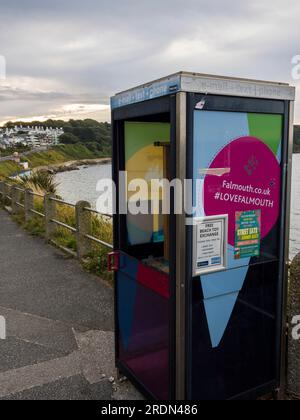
{"x": 210, "y": 244}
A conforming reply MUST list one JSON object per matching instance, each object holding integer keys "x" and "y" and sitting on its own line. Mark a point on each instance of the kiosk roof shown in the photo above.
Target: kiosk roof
{"x": 206, "y": 84}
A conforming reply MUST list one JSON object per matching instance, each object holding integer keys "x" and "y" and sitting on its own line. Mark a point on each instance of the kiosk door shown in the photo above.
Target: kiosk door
{"x": 236, "y": 318}
{"x": 143, "y": 322}
{"x": 143, "y": 279}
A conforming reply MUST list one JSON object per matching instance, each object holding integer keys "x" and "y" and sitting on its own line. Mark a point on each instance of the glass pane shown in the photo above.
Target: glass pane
{"x": 143, "y": 315}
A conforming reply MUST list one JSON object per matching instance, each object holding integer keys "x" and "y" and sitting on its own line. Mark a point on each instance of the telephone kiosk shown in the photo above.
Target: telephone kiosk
{"x": 200, "y": 293}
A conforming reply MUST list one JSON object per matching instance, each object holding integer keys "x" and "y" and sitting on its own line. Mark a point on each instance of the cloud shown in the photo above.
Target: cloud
{"x": 67, "y": 112}
{"x": 60, "y": 53}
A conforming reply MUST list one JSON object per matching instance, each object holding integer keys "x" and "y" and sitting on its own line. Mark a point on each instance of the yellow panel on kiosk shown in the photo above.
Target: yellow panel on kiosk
{"x": 144, "y": 161}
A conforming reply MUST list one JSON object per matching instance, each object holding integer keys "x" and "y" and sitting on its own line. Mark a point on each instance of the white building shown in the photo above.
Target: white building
{"x": 32, "y": 136}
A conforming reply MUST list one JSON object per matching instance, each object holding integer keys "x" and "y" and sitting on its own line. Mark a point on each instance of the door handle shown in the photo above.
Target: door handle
{"x": 113, "y": 261}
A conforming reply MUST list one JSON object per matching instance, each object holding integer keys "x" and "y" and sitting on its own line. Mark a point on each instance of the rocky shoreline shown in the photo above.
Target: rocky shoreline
{"x": 74, "y": 165}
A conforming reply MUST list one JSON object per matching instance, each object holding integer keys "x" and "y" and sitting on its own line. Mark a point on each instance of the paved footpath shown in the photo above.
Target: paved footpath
{"x": 59, "y": 319}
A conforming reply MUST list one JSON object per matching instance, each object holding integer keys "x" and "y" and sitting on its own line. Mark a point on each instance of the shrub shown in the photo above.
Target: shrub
{"x": 40, "y": 182}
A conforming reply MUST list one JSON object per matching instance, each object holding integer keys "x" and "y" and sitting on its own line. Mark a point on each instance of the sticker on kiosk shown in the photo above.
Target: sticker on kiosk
{"x": 210, "y": 244}
{"x": 247, "y": 234}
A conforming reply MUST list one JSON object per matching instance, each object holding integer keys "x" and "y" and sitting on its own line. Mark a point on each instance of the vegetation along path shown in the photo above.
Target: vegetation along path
{"x": 59, "y": 342}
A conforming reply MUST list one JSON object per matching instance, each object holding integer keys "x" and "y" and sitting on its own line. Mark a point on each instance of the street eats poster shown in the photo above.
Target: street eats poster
{"x": 247, "y": 234}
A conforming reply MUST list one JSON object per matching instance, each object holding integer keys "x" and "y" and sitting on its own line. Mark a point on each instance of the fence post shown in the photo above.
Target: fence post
{"x": 293, "y": 380}
{"x": 28, "y": 204}
{"x": 15, "y": 198}
{"x": 2, "y": 189}
{"x": 7, "y": 189}
{"x": 83, "y": 225}
{"x": 50, "y": 213}
{"x": 7, "y": 193}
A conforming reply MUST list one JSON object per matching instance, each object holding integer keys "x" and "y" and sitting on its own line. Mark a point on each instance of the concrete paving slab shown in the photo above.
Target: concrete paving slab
{"x": 15, "y": 353}
{"x": 42, "y": 331}
{"x": 60, "y": 341}
{"x": 37, "y": 279}
{"x": 74, "y": 388}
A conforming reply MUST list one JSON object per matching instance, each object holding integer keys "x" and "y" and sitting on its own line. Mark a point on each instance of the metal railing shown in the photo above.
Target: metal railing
{"x": 22, "y": 201}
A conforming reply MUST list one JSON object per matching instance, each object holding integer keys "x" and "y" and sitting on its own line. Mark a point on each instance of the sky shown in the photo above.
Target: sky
{"x": 65, "y": 58}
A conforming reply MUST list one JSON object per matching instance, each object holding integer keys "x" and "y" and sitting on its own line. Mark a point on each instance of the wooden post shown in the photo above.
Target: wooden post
{"x": 28, "y": 203}
{"x": 7, "y": 190}
{"x": 293, "y": 372}
{"x": 7, "y": 196}
{"x": 83, "y": 225}
{"x": 50, "y": 213}
{"x": 16, "y": 195}
{"x": 2, "y": 190}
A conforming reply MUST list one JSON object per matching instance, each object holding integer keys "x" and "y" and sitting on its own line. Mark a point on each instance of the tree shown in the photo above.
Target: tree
{"x": 77, "y": 131}
{"x": 69, "y": 138}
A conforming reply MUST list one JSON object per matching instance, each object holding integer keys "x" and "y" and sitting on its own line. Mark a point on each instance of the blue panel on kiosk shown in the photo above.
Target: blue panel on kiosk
{"x": 279, "y": 153}
{"x": 223, "y": 282}
{"x": 127, "y": 290}
{"x": 221, "y": 291}
{"x": 152, "y": 90}
{"x": 218, "y": 312}
{"x": 215, "y": 129}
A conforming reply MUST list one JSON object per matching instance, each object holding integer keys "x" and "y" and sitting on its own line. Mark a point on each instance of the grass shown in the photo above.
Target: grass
{"x": 101, "y": 228}
{"x": 35, "y": 226}
{"x": 8, "y": 168}
{"x": 62, "y": 236}
{"x": 60, "y": 154}
{"x": 96, "y": 261}
{"x": 4, "y": 202}
{"x": 55, "y": 155}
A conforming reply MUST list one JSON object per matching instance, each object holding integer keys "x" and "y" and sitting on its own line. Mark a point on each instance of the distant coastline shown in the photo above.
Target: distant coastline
{"x": 56, "y": 159}
{"x": 72, "y": 165}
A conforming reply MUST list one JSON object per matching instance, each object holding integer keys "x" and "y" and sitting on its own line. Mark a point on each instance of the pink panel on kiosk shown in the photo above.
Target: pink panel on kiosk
{"x": 154, "y": 280}
{"x": 252, "y": 183}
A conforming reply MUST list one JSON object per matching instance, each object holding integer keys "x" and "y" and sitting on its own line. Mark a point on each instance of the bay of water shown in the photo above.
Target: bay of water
{"x": 295, "y": 210}
{"x": 81, "y": 185}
